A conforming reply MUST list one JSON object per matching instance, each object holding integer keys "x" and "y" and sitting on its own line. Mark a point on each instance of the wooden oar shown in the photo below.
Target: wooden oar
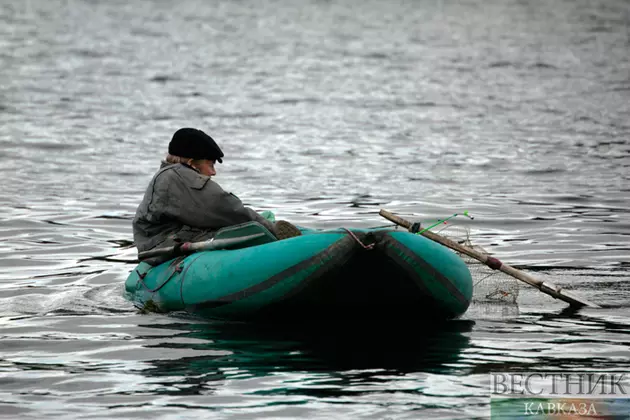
{"x": 191, "y": 247}
{"x": 494, "y": 263}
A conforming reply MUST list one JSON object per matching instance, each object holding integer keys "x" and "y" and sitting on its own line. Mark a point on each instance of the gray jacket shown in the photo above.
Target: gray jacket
{"x": 182, "y": 205}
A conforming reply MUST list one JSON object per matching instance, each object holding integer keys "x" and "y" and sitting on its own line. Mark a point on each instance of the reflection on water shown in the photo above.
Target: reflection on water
{"x": 259, "y": 350}
{"x": 78, "y": 363}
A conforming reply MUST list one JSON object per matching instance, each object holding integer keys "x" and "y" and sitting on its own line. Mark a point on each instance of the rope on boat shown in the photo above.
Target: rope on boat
{"x": 177, "y": 269}
{"x": 366, "y": 247}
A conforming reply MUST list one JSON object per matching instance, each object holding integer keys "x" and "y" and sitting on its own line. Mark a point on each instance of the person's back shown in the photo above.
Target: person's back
{"x": 183, "y": 204}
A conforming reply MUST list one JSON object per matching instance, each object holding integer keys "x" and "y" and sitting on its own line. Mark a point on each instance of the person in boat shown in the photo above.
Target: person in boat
{"x": 183, "y": 204}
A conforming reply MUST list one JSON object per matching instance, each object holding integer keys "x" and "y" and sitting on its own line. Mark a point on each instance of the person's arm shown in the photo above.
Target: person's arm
{"x": 230, "y": 209}
{"x": 202, "y": 203}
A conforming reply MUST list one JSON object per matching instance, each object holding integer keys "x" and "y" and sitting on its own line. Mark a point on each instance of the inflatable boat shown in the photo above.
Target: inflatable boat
{"x": 344, "y": 273}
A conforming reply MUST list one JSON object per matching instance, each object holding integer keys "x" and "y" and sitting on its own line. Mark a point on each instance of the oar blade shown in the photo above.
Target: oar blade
{"x": 544, "y": 287}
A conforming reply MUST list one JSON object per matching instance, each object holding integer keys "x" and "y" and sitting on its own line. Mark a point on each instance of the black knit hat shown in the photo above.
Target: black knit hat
{"x": 194, "y": 144}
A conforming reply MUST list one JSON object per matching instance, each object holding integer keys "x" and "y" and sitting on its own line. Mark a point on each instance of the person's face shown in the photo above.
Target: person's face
{"x": 206, "y": 167}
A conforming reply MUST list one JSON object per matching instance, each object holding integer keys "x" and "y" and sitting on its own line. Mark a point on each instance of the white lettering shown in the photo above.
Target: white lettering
{"x": 528, "y": 408}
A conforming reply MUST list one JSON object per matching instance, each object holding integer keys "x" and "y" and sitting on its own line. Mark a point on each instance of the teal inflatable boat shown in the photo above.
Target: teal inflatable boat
{"x": 323, "y": 274}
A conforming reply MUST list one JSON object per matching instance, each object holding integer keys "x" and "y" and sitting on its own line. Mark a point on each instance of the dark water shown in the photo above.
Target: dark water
{"x": 518, "y": 111}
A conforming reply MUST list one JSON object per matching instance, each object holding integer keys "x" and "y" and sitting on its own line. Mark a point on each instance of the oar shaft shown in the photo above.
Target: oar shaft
{"x": 398, "y": 220}
{"x": 191, "y": 247}
{"x": 545, "y": 287}
{"x": 169, "y": 250}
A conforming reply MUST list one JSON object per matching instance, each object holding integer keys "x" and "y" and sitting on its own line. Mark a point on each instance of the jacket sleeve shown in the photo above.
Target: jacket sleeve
{"x": 196, "y": 200}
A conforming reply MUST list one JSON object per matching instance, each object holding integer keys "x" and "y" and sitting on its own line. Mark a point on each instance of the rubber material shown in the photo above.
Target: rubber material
{"x": 320, "y": 274}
